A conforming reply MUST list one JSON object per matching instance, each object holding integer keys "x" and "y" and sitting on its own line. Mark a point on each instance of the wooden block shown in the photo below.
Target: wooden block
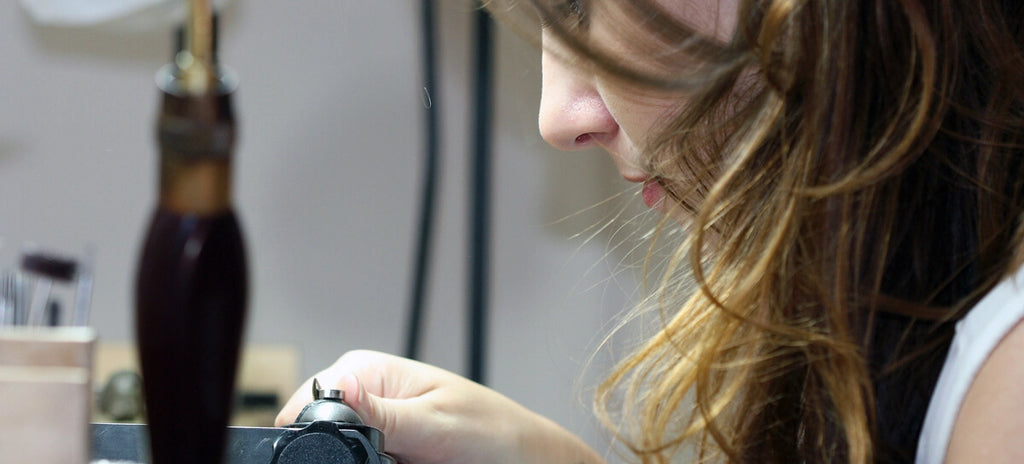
{"x": 45, "y": 394}
{"x": 46, "y": 346}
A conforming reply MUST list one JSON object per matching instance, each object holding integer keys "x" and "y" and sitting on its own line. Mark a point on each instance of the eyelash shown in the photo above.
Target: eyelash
{"x": 572, "y": 13}
{"x": 571, "y": 8}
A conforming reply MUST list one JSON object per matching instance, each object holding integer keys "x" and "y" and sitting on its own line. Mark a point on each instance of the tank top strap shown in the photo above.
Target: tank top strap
{"x": 977, "y": 335}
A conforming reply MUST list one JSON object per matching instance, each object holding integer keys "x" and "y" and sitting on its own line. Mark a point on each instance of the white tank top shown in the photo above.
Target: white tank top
{"x": 977, "y": 334}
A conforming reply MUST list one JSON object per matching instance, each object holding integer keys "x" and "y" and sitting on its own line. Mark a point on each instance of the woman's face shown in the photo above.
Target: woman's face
{"x": 580, "y": 109}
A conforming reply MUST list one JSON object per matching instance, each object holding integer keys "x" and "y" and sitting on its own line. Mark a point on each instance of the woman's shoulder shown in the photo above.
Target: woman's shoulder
{"x": 977, "y": 408}
{"x": 990, "y": 424}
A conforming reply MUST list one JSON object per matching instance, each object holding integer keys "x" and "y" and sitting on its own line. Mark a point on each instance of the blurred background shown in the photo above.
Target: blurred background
{"x": 327, "y": 179}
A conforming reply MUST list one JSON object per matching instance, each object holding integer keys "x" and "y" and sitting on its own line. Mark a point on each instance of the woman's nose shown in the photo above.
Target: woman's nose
{"x": 572, "y": 113}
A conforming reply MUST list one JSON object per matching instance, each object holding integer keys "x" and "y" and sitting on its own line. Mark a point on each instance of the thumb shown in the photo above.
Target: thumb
{"x": 375, "y": 411}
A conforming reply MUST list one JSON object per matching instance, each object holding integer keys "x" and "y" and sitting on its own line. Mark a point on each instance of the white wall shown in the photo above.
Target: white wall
{"x": 327, "y": 178}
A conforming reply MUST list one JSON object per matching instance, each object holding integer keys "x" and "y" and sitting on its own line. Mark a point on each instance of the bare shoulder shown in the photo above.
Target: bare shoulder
{"x": 990, "y": 425}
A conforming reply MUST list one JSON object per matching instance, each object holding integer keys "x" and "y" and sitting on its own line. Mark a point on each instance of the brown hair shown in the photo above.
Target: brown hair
{"x": 853, "y": 173}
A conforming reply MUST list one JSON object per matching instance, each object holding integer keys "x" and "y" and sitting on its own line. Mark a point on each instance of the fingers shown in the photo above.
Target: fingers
{"x": 293, "y": 407}
{"x": 375, "y": 411}
{"x": 427, "y": 414}
{"x": 383, "y": 376}
{"x": 390, "y": 415}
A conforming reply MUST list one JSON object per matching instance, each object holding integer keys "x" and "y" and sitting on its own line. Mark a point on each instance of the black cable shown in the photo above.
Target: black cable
{"x": 480, "y": 196}
{"x": 430, "y": 174}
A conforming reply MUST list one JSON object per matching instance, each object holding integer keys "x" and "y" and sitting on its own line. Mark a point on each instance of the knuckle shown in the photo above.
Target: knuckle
{"x": 355, "y": 358}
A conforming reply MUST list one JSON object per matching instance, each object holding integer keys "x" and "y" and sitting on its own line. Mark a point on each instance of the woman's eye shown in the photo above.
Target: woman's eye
{"x": 569, "y": 13}
{"x": 571, "y": 9}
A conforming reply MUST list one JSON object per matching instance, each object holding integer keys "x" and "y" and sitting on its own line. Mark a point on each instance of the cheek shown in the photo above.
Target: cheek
{"x": 641, "y": 116}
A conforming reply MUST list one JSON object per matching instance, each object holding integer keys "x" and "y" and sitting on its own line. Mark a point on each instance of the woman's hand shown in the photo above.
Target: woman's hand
{"x": 429, "y": 415}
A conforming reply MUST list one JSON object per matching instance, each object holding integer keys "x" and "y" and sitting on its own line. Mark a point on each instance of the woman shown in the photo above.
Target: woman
{"x": 849, "y": 173}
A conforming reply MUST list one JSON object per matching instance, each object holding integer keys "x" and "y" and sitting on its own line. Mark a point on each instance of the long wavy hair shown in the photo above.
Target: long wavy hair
{"x": 851, "y": 173}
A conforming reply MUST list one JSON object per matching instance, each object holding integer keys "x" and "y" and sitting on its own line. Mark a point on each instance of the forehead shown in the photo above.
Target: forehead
{"x": 660, "y": 38}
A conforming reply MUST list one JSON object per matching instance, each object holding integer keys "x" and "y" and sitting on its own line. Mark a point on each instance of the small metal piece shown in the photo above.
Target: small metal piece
{"x": 320, "y": 393}
{"x": 121, "y": 396}
{"x": 40, "y": 297}
{"x": 332, "y": 394}
{"x": 83, "y": 293}
{"x": 327, "y": 405}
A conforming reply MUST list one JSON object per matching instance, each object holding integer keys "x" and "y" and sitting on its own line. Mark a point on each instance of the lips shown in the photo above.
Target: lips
{"x": 653, "y": 193}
